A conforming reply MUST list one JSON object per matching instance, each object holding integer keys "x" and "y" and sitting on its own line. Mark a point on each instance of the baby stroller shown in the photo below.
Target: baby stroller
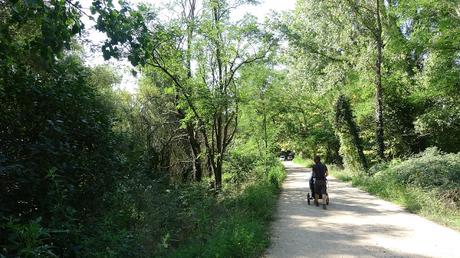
{"x": 312, "y": 195}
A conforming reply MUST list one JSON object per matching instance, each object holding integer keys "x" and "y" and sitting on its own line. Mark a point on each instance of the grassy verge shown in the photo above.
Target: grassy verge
{"x": 426, "y": 185}
{"x": 304, "y": 162}
{"x": 236, "y": 224}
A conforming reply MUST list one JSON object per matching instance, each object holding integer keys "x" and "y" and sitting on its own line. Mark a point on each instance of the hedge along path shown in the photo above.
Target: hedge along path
{"x": 355, "y": 224}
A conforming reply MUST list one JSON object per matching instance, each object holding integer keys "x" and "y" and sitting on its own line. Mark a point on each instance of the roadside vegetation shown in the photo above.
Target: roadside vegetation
{"x": 426, "y": 184}
{"x": 185, "y": 165}
{"x": 374, "y": 91}
{"x": 304, "y": 162}
{"x": 242, "y": 216}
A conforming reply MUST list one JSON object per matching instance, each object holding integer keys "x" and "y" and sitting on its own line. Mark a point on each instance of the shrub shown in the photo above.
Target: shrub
{"x": 28, "y": 240}
{"x": 239, "y": 166}
{"x": 430, "y": 169}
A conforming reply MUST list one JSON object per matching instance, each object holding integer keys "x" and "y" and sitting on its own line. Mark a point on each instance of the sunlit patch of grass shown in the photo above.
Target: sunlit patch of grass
{"x": 303, "y": 162}
{"x": 341, "y": 174}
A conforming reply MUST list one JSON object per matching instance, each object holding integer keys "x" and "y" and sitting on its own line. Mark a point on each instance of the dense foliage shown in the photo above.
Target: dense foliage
{"x": 90, "y": 171}
{"x": 186, "y": 166}
{"x": 391, "y": 70}
{"x": 334, "y": 47}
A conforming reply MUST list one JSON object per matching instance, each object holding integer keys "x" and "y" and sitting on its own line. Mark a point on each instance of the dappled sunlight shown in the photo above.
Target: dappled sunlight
{"x": 170, "y": 128}
{"x": 354, "y": 224}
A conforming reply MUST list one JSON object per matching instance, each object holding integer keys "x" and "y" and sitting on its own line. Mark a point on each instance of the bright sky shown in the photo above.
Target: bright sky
{"x": 94, "y": 38}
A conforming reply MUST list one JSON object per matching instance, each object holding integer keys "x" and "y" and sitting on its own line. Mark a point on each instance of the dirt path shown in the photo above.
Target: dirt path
{"x": 356, "y": 224}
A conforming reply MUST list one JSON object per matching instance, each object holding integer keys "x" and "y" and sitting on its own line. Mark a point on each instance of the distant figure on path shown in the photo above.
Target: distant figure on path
{"x": 319, "y": 174}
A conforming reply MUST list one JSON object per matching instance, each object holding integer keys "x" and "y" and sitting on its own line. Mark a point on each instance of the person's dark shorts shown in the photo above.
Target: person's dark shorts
{"x": 320, "y": 186}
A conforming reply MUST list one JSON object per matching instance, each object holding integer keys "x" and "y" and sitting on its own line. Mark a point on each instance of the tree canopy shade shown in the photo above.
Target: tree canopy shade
{"x": 88, "y": 170}
{"x": 335, "y": 49}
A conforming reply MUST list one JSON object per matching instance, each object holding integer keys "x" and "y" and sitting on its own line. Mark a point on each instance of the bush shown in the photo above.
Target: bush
{"x": 27, "y": 239}
{"x": 430, "y": 169}
{"x": 239, "y": 166}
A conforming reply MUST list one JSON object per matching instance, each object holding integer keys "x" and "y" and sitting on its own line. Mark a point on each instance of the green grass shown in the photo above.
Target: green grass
{"x": 415, "y": 199}
{"x": 237, "y": 224}
{"x": 304, "y": 162}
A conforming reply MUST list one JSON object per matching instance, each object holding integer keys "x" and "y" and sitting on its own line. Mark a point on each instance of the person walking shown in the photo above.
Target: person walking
{"x": 319, "y": 174}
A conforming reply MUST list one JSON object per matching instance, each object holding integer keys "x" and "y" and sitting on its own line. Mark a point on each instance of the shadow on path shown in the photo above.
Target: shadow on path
{"x": 355, "y": 224}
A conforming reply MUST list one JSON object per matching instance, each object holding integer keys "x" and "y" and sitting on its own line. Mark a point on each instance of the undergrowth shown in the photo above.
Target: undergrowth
{"x": 153, "y": 219}
{"x": 427, "y": 184}
{"x": 236, "y": 224}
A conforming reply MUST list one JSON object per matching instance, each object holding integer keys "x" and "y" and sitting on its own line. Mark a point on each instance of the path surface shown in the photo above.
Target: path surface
{"x": 355, "y": 224}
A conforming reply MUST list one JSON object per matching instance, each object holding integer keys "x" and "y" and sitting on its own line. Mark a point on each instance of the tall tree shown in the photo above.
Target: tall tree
{"x": 369, "y": 16}
{"x": 190, "y": 20}
{"x": 351, "y": 146}
{"x": 220, "y": 48}
{"x": 337, "y": 39}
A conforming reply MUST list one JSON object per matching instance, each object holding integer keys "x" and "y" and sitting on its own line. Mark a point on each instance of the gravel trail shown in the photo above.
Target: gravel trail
{"x": 355, "y": 224}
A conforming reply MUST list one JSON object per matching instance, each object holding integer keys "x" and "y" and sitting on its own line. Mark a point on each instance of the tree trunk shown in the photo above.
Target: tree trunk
{"x": 192, "y": 135}
{"x": 196, "y": 153}
{"x": 219, "y": 118}
{"x": 198, "y": 170}
{"x": 379, "y": 134}
{"x": 265, "y": 138}
{"x": 218, "y": 174}
{"x": 220, "y": 150}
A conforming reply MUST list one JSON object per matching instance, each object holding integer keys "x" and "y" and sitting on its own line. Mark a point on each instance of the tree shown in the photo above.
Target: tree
{"x": 370, "y": 17}
{"x": 351, "y": 146}
{"x": 222, "y": 48}
{"x": 336, "y": 33}
{"x": 320, "y": 58}
{"x": 430, "y": 41}
{"x": 37, "y": 31}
